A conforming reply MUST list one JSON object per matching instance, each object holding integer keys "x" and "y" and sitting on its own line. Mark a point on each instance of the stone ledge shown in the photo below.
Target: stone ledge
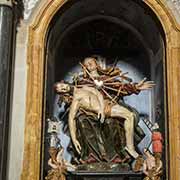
{"x": 6, "y": 2}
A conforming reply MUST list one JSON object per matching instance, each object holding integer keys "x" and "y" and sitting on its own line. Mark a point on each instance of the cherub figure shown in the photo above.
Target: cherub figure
{"x": 152, "y": 166}
{"x": 58, "y": 164}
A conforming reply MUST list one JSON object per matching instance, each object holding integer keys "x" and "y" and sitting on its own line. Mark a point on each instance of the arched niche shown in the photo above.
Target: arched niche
{"x": 37, "y": 73}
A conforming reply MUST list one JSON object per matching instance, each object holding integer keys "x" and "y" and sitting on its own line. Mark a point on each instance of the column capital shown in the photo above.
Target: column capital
{"x": 7, "y": 2}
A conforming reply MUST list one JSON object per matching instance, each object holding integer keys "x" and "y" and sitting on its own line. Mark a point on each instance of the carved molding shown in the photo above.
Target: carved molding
{"x": 6, "y": 2}
{"x": 18, "y": 6}
{"x": 29, "y": 5}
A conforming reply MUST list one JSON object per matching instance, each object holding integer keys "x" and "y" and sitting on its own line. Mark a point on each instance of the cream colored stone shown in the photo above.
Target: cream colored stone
{"x": 17, "y": 123}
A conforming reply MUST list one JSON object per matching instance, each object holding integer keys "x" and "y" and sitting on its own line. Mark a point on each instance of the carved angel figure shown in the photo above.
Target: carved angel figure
{"x": 58, "y": 164}
{"x": 152, "y": 166}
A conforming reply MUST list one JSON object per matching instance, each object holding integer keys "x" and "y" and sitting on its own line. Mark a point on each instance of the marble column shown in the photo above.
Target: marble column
{"x": 6, "y": 32}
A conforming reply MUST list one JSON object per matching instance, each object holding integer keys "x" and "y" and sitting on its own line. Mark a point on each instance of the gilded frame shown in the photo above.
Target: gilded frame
{"x": 34, "y": 97}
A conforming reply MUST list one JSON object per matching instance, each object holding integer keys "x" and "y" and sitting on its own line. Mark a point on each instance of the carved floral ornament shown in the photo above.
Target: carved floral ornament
{"x": 28, "y": 7}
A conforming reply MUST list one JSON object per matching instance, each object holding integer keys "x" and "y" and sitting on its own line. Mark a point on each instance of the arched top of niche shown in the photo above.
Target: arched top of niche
{"x": 58, "y": 39}
{"x": 45, "y": 11}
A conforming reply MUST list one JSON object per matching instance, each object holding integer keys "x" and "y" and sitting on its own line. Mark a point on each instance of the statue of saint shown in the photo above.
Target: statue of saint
{"x": 103, "y": 129}
{"x": 99, "y": 90}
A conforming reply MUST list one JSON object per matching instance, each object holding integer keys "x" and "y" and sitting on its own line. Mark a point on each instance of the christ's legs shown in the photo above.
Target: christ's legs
{"x": 120, "y": 111}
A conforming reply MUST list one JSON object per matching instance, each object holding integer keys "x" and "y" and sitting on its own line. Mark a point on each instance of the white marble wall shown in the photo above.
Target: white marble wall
{"x": 20, "y": 83}
{"x": 16, "y": 143}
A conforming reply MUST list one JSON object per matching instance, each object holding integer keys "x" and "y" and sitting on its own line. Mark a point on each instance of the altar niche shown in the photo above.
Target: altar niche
{"x": 124, "y": 34}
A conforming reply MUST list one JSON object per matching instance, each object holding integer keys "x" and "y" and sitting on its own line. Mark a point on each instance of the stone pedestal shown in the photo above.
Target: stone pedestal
{"x": 6, "y": 31}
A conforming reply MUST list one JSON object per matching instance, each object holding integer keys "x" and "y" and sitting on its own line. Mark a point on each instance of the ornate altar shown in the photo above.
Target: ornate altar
{"x": 59, "y": 39}
{"x": 104, "y": 131}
